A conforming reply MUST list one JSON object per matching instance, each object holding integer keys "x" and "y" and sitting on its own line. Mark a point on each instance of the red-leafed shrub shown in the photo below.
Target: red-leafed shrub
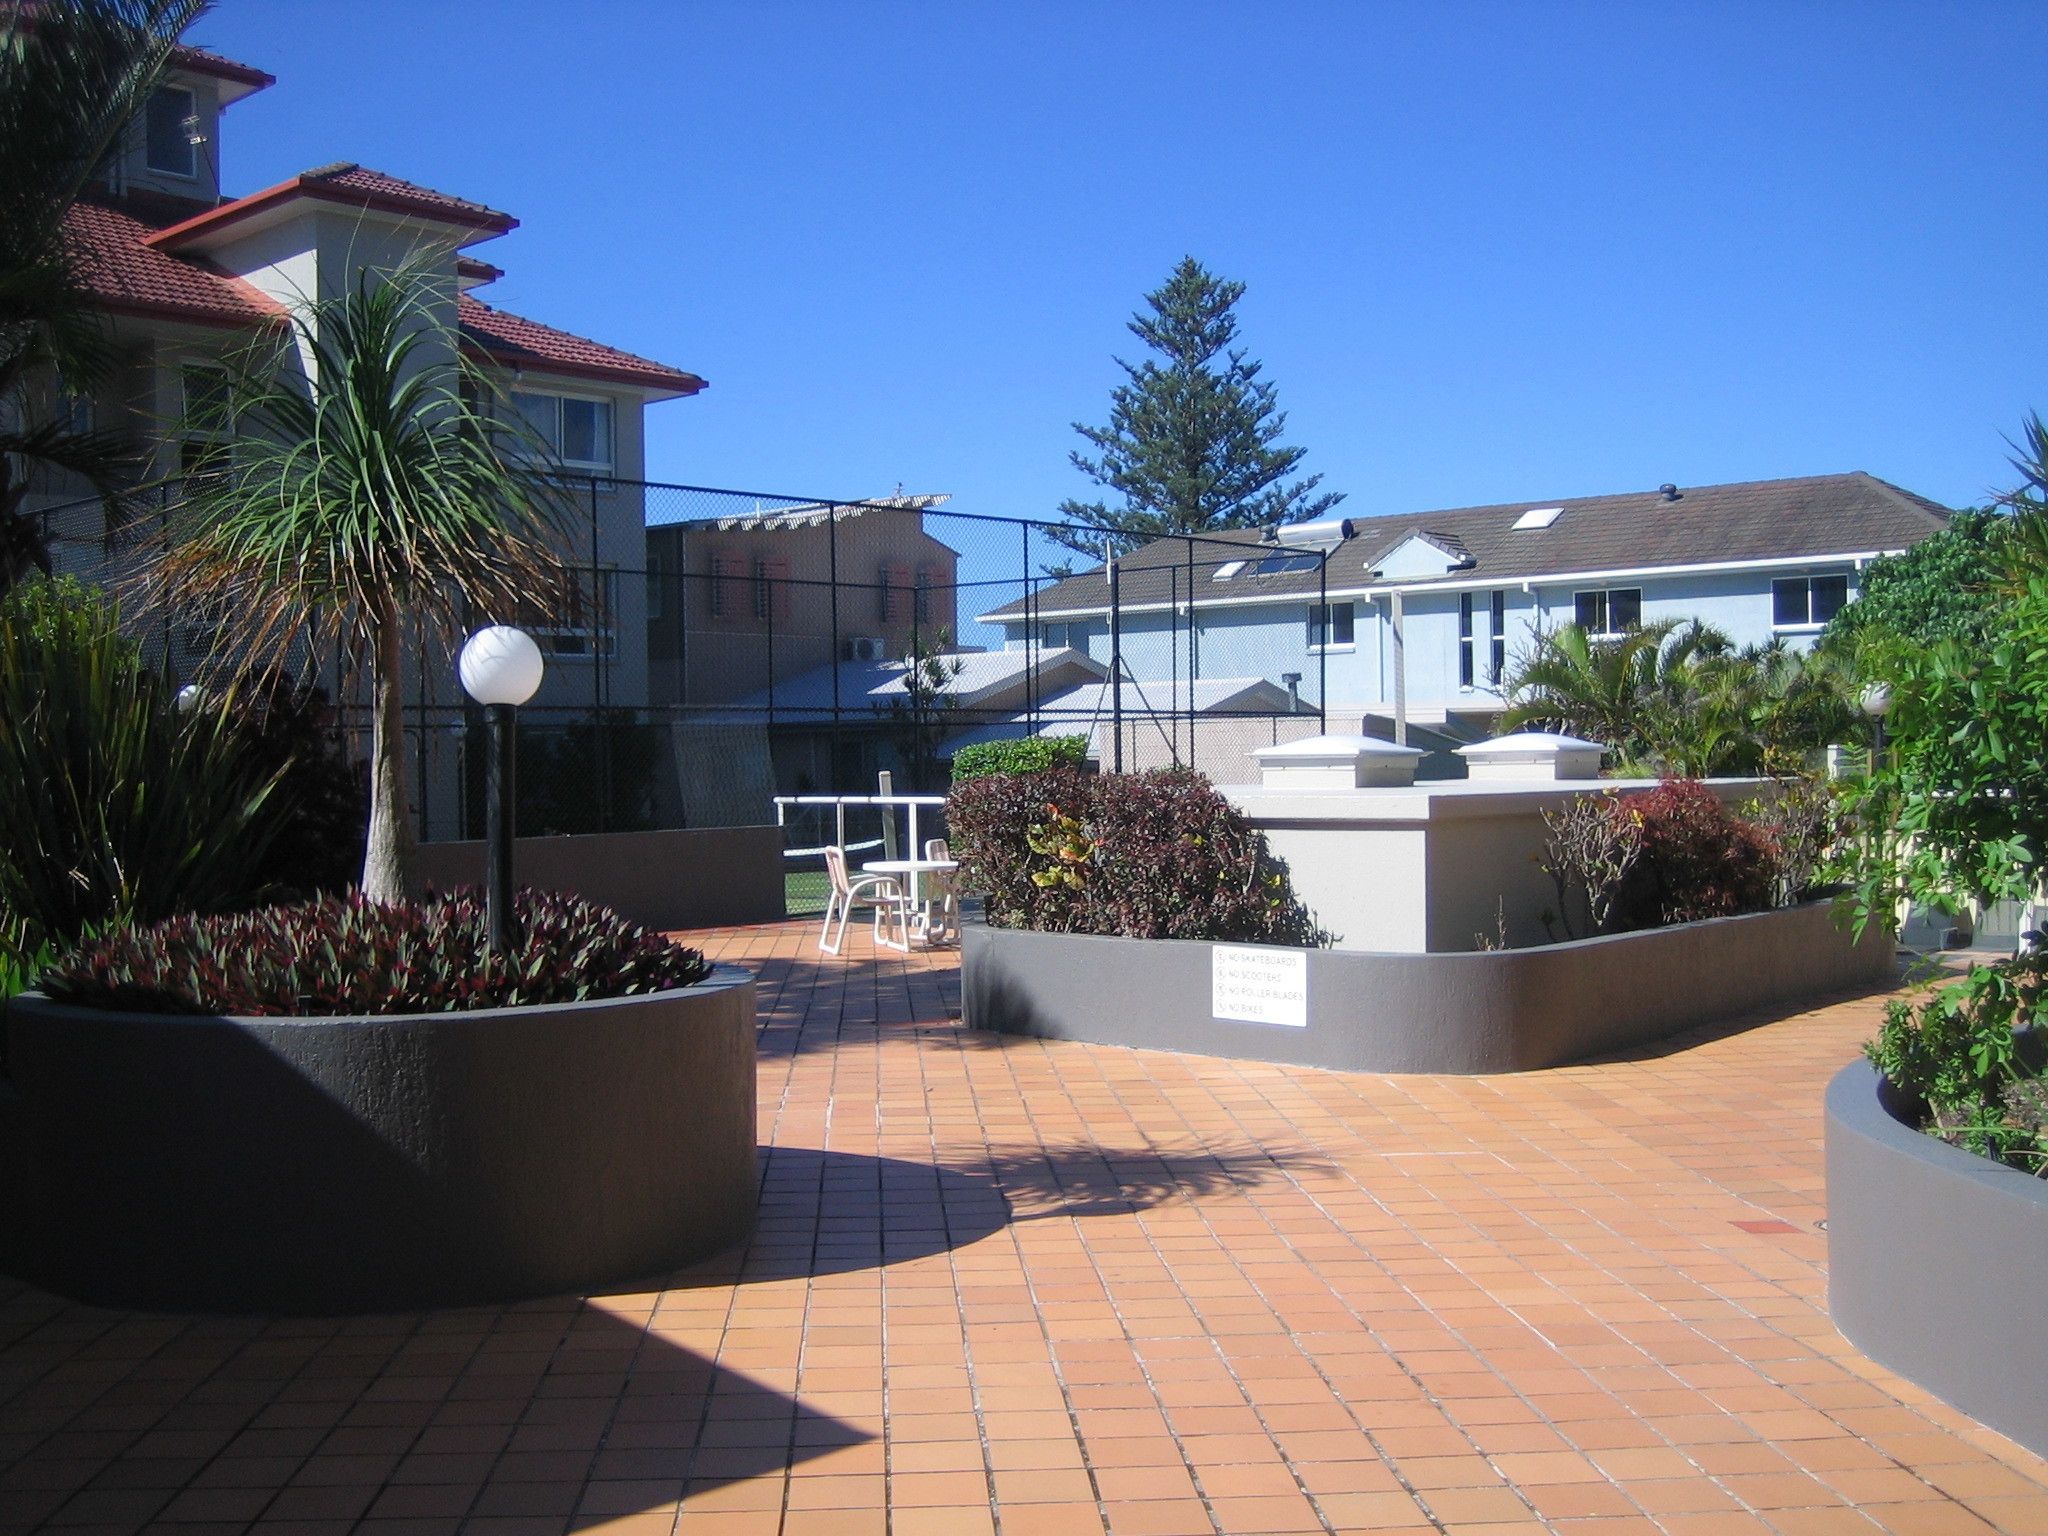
{"x": 1699, "y": 858}
{"x": 1156, "y": 855}
{"x": 1673, "y": 854}
{"x": 347, "y": 955}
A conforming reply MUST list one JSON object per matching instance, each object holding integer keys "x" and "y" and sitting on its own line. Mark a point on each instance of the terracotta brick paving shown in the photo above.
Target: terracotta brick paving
{"x": 1051, "y": 1290}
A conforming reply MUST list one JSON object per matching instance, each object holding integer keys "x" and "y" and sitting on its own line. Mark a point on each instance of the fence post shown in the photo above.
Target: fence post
{"x": 600, "y": 617}
{"x": 1194, "y": 655}
{"x": 1323, "y": 655}
{"x": 832, "y": 570}
{"x": 1116, "y": 659}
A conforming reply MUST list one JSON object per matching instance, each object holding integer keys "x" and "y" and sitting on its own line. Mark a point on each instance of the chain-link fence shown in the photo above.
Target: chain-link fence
{"x": 723, "y": 648}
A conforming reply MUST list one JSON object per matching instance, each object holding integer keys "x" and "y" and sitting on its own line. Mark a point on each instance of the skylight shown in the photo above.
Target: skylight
{"x": 1228, "y": 569}
{"x": 1539, "y": 517}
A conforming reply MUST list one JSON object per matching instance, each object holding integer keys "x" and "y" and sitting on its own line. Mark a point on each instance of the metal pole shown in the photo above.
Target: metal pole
{"x": 498, "y": 828}
{"x": 832, "y": 563}
{"x": 1194, "y": 653}
{"x": 1329, "y": 634}
{"x": 600, "y": 615}
{"x": 1030, "y": 637}
{"x": 1173, "y": 664}
{"x": 1397, "y": 623}
{"x": 1116, "y": 660}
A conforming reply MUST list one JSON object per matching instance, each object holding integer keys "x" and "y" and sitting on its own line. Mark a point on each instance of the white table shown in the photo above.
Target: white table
{"x": 913, "y": 871}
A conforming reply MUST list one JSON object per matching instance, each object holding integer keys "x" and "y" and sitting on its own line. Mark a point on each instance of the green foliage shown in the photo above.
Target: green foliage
{"x": 1026, "y": 754}
{"x": 1157, "y": 855}
{"x": 921, "y": 718}
{"x": 1683, "y": 700}
{"x": 1958, "y": 807}
{"x": 350, "y": 955}
{"x": 1192, "y": 444}
{"x": 1958, "y": 1050}
{"x": 1935, "y": 591}
{"x": 117, "y": 808}
{"x": 385, "y": 502}
{"x": 72, "y": 77}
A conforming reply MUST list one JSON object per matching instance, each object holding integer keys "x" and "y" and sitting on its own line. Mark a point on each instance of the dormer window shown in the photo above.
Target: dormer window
{"x": 169, "y": 124}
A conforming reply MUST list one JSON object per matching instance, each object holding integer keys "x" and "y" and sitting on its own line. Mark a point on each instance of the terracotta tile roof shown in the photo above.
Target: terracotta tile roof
{"x": 512, "y": 339}
{"x": 131, "y": 277}
{"x": 342, "y": 182}
{"x": 204, "y": 61}
{"x": 1810, "y": 517}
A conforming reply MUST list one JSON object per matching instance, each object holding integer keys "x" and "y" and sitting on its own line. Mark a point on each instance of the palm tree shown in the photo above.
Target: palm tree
{"x": 1623, "y": 691}
{"x": 73, "y": 75}
{"x": 374, "y": 492}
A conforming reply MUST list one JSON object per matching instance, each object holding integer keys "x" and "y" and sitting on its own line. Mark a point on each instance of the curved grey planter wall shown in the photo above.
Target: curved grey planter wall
{"x": 1485, "y": 1011}
{"x": 1931, "y": 1251}
{"x": 373, "y": 1164}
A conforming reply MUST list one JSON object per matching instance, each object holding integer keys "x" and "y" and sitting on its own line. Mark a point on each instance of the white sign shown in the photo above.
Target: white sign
{"x": 1259, "y": 986}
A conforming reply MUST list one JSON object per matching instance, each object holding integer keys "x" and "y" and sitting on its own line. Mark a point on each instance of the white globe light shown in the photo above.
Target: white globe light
{"x": 500, "y": 665}
{"x": 1877, "y": 701}
{"x": 190, "y": 697}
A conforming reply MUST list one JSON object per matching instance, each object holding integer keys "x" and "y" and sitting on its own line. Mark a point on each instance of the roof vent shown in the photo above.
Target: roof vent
{"x": 1668, "y": 491}
{"x": 1539, "y": 517}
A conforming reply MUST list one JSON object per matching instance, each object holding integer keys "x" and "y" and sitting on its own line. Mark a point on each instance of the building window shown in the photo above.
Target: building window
{"x": 727, "y": 573}
{"x": 576, "y": 429}
{"x": 1497, "y": 660}
{"x": 657, "y": 596}
{"x": 924, "y": 594}
{"x": 1610, "y": 613}
{"x": 590, "y": 627}
{"x": 207, "y": 423}
{"x": 1330, "y": 627}
{"x": 1055, "y": 636}
{"x": 1807, "y": 602}
{"x": 896, "y": 593}
{"x": 168, "y": 130}
{"x": 1465, "y": 640}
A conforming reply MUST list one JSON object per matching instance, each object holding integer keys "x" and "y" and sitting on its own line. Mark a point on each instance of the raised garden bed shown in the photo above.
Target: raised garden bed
{"x": 1931, "y": 1250}
{"x": 368, "y": 1164}
{"x": 1485, "y": 1011}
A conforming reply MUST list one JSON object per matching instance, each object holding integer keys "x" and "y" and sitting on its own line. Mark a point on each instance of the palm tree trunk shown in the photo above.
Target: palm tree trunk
{"x": 388, "y": 861}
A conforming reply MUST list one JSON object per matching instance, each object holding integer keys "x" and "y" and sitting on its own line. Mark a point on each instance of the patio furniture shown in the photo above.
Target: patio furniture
{"x": 945, "y": 889}
{"x": 916, "y": 872}
{"x": 878, "y": 890}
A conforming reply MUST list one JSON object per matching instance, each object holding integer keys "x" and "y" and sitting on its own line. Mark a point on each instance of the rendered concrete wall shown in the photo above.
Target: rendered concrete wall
{"x": 376, "y": 1164}
{"x": 1428, "y": 867}
{"x": 1931, "y": 1251}
{"x": 1491, "y": 1011}
{"x": 708, "y": 877}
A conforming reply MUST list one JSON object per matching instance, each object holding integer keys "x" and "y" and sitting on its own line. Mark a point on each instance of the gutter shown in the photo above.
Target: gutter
{"x": 1858, "y": 559}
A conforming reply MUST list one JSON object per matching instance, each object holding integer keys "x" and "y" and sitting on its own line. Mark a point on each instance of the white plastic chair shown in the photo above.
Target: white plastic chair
{"x": 884, "y": 893}
{"x": 942, "y": 920}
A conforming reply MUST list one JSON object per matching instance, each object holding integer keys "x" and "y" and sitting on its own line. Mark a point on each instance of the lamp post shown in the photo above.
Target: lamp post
{"x": 500, "y": 668}
{"x": 1877, "y": 703}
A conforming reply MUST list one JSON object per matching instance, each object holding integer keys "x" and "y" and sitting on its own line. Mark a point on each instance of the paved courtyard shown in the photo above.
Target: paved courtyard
{"x": 1052, "y": 1290}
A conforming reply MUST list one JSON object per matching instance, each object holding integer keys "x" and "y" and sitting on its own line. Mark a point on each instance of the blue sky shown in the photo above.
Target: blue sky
{"x": 1495, "y": 251}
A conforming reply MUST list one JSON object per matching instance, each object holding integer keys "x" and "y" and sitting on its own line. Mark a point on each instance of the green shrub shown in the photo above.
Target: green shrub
{"x": 349, "y": 955}
{"x": 1026, "y": 754}
{"x": 115, "y": 807}
{"x": 1156, "y": 855}
{"x": 1958, "y": 1052}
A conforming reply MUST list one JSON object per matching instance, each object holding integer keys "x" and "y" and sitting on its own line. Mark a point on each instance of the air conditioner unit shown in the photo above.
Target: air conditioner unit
{"x": 866, "y": 648}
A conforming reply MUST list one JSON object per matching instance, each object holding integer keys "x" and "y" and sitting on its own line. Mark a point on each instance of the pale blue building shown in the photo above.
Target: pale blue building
{"x": 1417, "y": 618}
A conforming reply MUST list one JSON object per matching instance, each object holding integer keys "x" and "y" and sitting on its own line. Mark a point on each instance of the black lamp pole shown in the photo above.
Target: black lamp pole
{"x": 498, "y": 828}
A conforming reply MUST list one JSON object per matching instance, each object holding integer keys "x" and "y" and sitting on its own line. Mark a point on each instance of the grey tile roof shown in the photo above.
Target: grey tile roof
{"x": 1816, "y": 517}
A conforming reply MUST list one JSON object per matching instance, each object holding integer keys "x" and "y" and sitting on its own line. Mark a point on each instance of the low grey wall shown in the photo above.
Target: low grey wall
{"x": 712, "y": 877}
{"x": 332, "y": 1165}
{"x": 1932, "y": 1252}
{"x": 1486, "y": 1011}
